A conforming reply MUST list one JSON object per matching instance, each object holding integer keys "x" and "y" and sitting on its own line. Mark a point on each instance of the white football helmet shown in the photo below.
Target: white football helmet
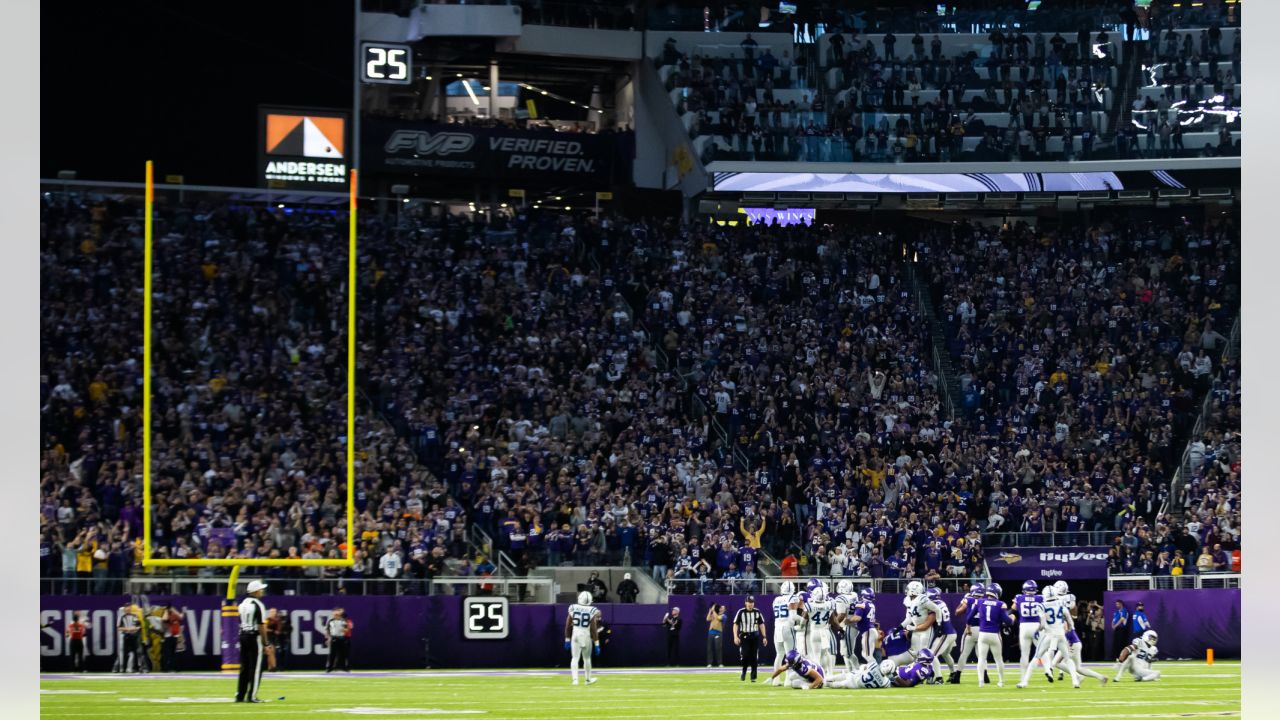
{"x": 915, "y": 589}
{"x": 787, "y": 588}
{"x": 887, "y": 667}
{"x": 1150, "y": 637}
{"x": 844, "y": 587}
{"x": 584, "y": 598}
{"x": 1061, "y": 587}
{"x": 1050, "y": 592}
{"x": 819, "y": 594}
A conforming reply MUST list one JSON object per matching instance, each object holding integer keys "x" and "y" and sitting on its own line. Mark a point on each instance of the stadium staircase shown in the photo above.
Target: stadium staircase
{"x": 1128, "y": 82}
{"x": 1173, "y": 506}
{"x": 943, "y": 366}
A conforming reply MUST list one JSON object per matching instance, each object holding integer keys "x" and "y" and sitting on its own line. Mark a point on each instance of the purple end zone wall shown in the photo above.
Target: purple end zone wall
{"x": 417, "y": 632}
{"x": 1189, "y": 621}
{"x": 412, "y": 632}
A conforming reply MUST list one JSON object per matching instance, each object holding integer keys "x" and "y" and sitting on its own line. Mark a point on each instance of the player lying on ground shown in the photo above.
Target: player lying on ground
{"x": 1138, "y": 656}
{"x": 869, "y": 676}
{"x": 810, "y": 675}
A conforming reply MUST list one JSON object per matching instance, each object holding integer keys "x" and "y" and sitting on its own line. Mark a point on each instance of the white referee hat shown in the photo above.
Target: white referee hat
{"x": 256, "y": 585}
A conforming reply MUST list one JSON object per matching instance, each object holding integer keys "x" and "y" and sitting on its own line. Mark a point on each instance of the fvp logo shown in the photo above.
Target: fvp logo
{"x": 422, "y": 142}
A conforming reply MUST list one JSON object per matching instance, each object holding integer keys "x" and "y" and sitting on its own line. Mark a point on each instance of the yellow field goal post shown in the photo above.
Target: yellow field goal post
{"x": 237, "y": 563}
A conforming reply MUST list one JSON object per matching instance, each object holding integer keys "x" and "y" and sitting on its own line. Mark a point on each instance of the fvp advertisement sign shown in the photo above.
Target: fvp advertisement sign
{"x": 418, "y": 148}
{"x": 1047, "y": 563}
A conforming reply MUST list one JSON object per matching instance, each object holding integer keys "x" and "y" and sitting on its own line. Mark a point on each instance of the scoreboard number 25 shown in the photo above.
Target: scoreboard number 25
{"x": 387, "y": 63}
{"x": 485, "y": 618}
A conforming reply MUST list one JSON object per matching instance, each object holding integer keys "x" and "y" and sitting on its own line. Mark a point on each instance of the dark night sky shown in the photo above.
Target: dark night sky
{"x": 180, "y": 82}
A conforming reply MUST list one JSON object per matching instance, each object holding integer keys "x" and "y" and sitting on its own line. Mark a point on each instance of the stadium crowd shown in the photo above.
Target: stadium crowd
{"x": 603, "y": 390}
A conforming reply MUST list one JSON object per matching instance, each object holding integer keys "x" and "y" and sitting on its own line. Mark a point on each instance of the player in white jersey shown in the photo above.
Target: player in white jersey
{"x": 1138, "y": 656}
{"x": 843, "y": 602}
{"x": 1073, "y": 639}
{"x": 802, "y": 621}
{"x": 868, "y": 676}
{"x": 1055, "y": 621}
{"x": 784, "y": 625}
{"x": 582, "y": 634}
{"x": 918, "y": 619}
{"x": 822, "y": 644}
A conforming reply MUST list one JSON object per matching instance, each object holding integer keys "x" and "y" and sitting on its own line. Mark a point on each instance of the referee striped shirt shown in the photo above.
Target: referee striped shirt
{"x": 748, "y": 621}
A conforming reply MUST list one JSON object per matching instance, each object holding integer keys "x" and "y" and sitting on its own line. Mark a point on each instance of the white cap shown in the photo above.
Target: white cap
{"x": 256, "y": 585}
{"x": 626, "y": 576}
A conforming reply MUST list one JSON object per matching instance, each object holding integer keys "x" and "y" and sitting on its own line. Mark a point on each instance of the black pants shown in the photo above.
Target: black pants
{"x": 250, "y": 667}
{"x": 77, "y": 655}
{"x": 168, "y": 652}
{"x": 340, "y": 654}
{"x": 1121, "y": 637}
{"x": 750, "y": 651}
{"x": 673, "y": 649}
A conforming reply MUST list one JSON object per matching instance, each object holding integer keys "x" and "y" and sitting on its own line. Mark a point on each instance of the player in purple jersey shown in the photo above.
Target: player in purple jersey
{"x": 916, "y": 673}
{"x": 992, "y": 616}
{"x": 862, "y": 622}
{"x": 1027, "y": 607}
{"x": 969, "y": 636}
{"x": 945, "y": 634}
{"x": 812, "y": 676}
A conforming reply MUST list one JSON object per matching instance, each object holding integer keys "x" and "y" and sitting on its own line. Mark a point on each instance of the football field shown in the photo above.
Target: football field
{"x": 1189, "y": 689}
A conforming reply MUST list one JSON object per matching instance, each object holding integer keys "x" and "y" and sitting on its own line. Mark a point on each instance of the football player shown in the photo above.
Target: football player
{"x": 860, "y": 635}
{"x": 1138, "y": 656}
{"x": 919, "y": 619}
{"x": 992, "y": 615}
{"x": 784, "y": 629}
{"x": 842, "y": 603}
{"x": 1073, "y": 639}
{"x": 581, "y": 632}
{"x": 969, "y": 636}
{"x": 810, "y": 674}
{"x": 868, "y": 676}
{"x": 1026, "y": 607}
{"x": 822, "y": 645}
{"x": 944, "y": 639}
{"x": 917, "y": 672}
{"x": 1054, "y": 623}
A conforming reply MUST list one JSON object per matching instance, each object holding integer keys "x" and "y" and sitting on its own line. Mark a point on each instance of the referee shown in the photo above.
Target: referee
{"x": 337, "y": 635}
{"x": 749, "y": 636}
{"x": 253, "y": 644}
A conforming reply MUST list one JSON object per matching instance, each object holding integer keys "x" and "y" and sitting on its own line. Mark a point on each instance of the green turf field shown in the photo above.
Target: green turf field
{"x": 1186, "y": 690}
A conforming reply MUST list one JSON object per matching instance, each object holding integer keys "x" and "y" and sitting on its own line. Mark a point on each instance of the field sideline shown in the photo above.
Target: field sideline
{"x": 1188, "y": 689}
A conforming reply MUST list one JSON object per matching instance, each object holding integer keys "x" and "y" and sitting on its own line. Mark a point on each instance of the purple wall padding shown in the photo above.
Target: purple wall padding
{"x": 1189, "y": 621}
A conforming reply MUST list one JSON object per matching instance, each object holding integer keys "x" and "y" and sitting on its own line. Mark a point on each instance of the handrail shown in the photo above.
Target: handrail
{"x": 1192, "y": 581}
{"x": 1059, "y": 538}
